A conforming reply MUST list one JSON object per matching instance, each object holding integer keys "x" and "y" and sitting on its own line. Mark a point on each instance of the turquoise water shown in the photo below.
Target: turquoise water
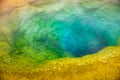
{"x": 71, "y": 31}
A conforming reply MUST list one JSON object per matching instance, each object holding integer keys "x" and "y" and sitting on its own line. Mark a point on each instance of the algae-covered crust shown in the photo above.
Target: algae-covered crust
{"x": 59, "y": 39}
{"x": 104, "y": 65}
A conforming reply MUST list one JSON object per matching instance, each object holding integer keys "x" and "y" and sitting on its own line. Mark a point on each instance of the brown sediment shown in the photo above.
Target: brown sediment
{"x": 7, "y": 6}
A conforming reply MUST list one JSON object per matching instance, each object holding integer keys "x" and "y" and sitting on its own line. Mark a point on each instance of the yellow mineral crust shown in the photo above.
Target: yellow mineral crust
{"x": 104, "y": 65}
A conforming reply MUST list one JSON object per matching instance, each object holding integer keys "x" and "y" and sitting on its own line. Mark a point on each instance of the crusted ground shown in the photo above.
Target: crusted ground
{"x": 104, "y": 65}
